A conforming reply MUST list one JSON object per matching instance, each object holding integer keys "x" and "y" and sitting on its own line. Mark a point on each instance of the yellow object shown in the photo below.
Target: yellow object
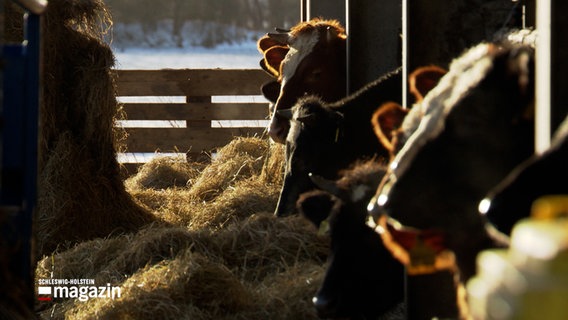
{"x": 530, "y": 279}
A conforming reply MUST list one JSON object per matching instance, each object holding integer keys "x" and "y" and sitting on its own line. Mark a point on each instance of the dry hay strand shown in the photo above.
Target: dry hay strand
{"x": 238, "y": 160}
{"x": 244, "y": 198}
{"x": 78, "y": 206}
{"x": 187, "y": 287}
{"x": 81, "y": 194}
{"x": 171, "y": 205}
{"x": 244, "y": 179}
{"x": 248, "y": 270}
{"x": 288, "y": 295}
{"x": 273, "y": 169}
{"x": 165, "y": 172}
{"x": 114, "y": 259}
{"x": 263, "y": 244}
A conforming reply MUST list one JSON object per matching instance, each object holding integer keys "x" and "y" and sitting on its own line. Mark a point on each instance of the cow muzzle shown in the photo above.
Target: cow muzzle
{"x": 278, "y": 129}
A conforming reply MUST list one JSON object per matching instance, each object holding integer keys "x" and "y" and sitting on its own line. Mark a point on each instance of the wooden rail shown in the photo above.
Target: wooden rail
{"x": 198, "y": 86}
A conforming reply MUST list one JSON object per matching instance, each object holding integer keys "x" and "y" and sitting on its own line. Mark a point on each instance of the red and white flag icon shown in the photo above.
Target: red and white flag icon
{"x": 44, "y": 293}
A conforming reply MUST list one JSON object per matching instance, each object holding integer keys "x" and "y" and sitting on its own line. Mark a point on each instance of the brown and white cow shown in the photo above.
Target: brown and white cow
{"x": 309, "y": 59}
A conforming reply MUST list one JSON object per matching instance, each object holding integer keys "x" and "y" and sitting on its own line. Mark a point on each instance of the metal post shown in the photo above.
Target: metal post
{"x": 551, "y": 82}
{"x": 19, "y": 136}
{"x": 327, "y": 9}
{"x": 374, "y": 44}
{"x": 437, "y": 31}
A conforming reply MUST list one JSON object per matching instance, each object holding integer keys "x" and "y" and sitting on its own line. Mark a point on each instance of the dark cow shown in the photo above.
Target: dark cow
{"x": 544, "y": 174}
{"x": 468, "y": 133}
{"x": 362, "y": 281}
{"x": 325, "y": 138}
{"x": 308, "y": 59}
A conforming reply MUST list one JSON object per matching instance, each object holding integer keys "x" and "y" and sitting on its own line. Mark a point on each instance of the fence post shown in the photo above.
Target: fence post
{"x": 197, "y": 155}
{"x": 551, "y": 82}
{"x": 374, "y": 44}
{"x": 327, "y": 9}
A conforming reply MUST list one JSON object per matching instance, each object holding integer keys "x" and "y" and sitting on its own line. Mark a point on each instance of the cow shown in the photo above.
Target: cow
{"x": 327, "y": 137}
{"x": 308, "y": 59}
{"x": 362, "y": 280}
{"x": 542, "y": 174}
{"x": 469, "y": 132}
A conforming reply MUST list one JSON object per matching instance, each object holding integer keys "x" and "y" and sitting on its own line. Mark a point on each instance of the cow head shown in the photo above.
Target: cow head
{"x": 307, "y": 60}
{"x": 464, "y": 137}
{"x": 362, "y": 280}
{"x": 310, "y": 147}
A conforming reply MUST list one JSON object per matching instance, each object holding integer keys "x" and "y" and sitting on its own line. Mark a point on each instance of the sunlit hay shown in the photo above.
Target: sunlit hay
{"x": 263, "y": 244}
{"x": 114, "y": 259}
{"x": 74, "y": 205}
{"x": 244, "y": 198}
{"x": 188, "y": 286}
{"x": 172, "y": 205}
{"x": 244, "y": 178}
{"x": 165, "y": 172}
{"x": 245, "y": 271}
{"x": 81, "y": 195}
{"x": 273, "y": 169}
{"x": 299, "y": 284}
{"x": 238, "y": 160}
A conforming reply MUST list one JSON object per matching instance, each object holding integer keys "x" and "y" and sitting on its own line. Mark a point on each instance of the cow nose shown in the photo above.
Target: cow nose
{"x": 325, "y": 307}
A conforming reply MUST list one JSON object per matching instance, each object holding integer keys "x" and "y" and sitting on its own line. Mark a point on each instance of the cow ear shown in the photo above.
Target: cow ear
{"x": 268, "y": 41}
{"x": 386, "y": 119}
{"x": 274, "y": 57}
{"x": 424, "y": 79}
{"x": 266, "y": 69}
{"x": 271, "y": 91}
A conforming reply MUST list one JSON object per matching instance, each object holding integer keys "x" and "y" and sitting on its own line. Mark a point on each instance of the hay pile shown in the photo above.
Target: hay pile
{"x": 222, "y": 256}
{"x": 81, "y": 195}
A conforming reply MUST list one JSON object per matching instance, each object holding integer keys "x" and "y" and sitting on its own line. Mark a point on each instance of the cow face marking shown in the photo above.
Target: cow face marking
{"x": 300, "y": 48}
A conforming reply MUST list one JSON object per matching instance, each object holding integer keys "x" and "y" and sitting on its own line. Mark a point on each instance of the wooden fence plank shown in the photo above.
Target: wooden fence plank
{"x": 196, "y": 111}
{"x": 186, "y": 82}
{"x": 183, "y": 139}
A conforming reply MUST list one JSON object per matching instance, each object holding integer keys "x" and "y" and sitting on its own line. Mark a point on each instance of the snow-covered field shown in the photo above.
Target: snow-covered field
{"x": 238, "y": 56}
{"x": 243, "y": 56}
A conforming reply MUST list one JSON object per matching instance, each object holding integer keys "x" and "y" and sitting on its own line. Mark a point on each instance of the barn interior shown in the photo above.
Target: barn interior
{"x": 181, "y": 237}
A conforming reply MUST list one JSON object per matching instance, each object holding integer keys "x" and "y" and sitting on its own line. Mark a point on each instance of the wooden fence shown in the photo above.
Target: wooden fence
{"x": 198, "y": 86}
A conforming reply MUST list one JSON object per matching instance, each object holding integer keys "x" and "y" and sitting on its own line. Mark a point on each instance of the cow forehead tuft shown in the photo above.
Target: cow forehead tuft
{"x": 311, "y": 25}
